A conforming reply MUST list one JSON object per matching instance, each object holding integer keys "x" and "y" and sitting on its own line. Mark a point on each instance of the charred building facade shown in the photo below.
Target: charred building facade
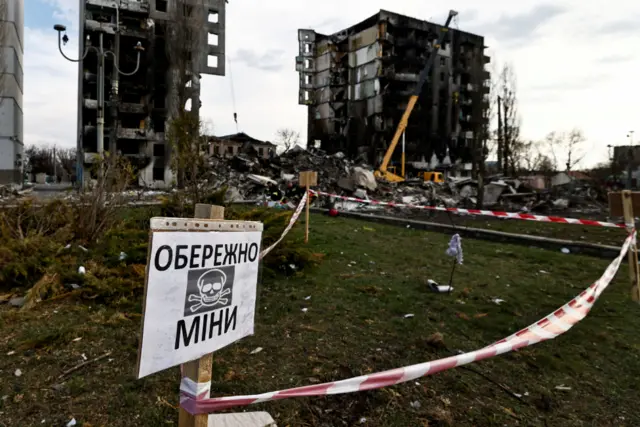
{"x": 138, "y": 106}
{"x": 357, "y": 82}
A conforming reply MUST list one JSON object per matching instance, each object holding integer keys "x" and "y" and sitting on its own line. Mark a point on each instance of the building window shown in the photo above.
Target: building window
{"x": 158, "y": 150}
{"x": 261, "y": 152}
{"x": 161, "y": 5}
{"x": 230, "y": 149}
{"x": 441, "y": 77}
{"x": 158, "y": 174}
{"x": 443, "y": 61}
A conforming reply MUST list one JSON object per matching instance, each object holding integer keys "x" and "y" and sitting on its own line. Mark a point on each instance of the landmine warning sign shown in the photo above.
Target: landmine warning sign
{"x": 200, "y": 294}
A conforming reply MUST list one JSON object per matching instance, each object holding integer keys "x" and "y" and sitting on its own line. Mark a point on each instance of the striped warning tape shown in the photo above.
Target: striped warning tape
{"x": 193, "y": 396}
{"x": 292, "y": 221}
{"x": 499, "y": 214}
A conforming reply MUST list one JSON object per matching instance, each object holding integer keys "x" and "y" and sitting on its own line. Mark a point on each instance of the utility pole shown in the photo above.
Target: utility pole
{"x": 630, "y": 161}
{"x": 500, "y": 137}
{"x": 101, "y": 54}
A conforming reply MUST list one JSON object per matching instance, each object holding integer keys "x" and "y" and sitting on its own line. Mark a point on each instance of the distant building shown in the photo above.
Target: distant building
{"x": 140, "y": 106}
{"x": 11, "y": 90}
{"x": 230, "y": 145}
{"x": 356, "y": 84}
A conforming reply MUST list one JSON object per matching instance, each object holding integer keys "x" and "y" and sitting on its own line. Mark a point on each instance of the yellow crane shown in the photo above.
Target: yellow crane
{"x": 383, "y": 171}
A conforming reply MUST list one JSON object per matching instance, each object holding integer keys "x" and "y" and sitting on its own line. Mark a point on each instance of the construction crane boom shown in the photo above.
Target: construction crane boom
{"x": 382, "y": 171}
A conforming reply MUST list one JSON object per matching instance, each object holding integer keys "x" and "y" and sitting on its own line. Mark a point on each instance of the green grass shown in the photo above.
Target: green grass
{"x": 369, "y": 278}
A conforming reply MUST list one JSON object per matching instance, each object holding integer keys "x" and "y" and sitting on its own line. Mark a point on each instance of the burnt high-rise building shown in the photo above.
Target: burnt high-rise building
{"x": 137, "y": 107}
{"x": 357, "y": 82}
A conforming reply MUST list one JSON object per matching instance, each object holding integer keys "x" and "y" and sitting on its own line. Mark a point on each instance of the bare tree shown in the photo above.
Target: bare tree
{"x": 66, "y": 158}
{"x": 287, "y": 138}
{"x": 573, "y": 146}
{"x": 568, "y": 144}
{"x": 183, "y": 46}
{"x": 509, "y": 138}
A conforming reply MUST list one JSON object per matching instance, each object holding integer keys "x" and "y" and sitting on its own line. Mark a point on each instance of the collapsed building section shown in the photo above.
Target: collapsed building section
{"x": 180, "y": 39}
{"x": 357, "y": 82}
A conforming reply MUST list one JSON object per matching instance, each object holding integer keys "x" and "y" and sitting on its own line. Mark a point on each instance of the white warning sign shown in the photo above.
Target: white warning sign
{"x": 200, "y": 295}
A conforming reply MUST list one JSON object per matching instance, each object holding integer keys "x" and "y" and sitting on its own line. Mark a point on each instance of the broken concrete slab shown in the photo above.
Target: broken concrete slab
{"x": 364, "y": 178}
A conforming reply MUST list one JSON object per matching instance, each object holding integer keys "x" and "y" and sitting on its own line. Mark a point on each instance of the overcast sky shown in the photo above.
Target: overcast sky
{"x": 576, "y": 62}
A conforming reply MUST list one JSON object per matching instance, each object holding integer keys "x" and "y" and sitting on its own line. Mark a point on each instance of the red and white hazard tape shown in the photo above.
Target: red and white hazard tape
{"x": 292, "y": 221}
{"x": 194, "y": 397}
{"x": 499, "y": 214}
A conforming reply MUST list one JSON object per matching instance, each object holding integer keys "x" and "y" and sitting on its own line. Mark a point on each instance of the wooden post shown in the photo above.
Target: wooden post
{"x": 632, "y": 256}
{"x": 200, "y": 370}
{"x": 307, "y": 179}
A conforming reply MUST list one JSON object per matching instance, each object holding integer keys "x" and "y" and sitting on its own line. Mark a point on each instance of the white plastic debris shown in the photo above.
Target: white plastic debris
{"x": 304, "y": 310}
{"x": 441, "y": 289}
{"x": 497, "y": 301}
{"x": 256, "y": 350}
{"x": 415, "y": 404}
{"x": 408, "y": 316}
{"x": 544, "y": 272}
{"x": 18, "y": 373}
{"x": 562, "y": 387}
{"x": 11, "y": 353}
{"x": 72, "y": 422}
{"x": 122, "y": 256}
{"x": 565, "y": 250}
{"x": 82, "y": 270}
{"x": 455, "y": 248}
{"x": 83, "y": 248}
{"x": 307, "y": 298}
{"x": 77, "y": 339}
{"x": 363, "y": 420}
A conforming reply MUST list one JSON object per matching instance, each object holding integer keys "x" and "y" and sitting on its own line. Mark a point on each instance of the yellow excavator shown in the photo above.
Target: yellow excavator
{"x": 385, "y": 171}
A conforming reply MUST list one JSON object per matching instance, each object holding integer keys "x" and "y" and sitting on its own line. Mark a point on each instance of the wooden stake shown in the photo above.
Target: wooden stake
{"x": 200, "y": 370}
{"x": 306, "y": 231}
{"x": 632, "y": 256}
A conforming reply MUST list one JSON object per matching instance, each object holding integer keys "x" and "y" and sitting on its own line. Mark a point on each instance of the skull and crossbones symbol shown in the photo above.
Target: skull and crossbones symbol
{"x": 211, "y": 290}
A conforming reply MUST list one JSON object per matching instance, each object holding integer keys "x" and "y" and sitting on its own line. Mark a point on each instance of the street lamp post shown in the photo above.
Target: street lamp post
{"x": 630, "y": 160}
{"x": 101, "y": 54}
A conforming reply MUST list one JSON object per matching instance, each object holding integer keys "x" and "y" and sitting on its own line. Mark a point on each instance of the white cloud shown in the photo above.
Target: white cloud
{"x": 568, "y": 66}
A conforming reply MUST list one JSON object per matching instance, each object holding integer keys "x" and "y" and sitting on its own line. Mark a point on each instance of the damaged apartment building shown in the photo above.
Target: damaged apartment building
{"x": 357, "y": 82}
{"x": 178, "y": 41}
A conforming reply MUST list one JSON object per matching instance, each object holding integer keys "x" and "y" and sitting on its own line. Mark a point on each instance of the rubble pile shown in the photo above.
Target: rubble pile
{"x": 248, "y": 176}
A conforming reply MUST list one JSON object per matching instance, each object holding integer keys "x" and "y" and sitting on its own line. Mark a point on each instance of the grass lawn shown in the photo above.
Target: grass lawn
{"x": 370, "y": 277}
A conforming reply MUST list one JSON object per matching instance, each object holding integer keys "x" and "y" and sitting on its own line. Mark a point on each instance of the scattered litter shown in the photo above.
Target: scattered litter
{"x": 408, "y": 316}
{"x": 84, "y": 356}
{"x": 433, "y": 285}
{"x": 11, "y": 353}
{"x": 562, "y": 387}
{"x": 544, "y": 272}
{"x": 307, "y": 298}
{"x": 256, "y": 350}
{"x": 82, "y": 270}
{"x": 77, "y": 339}
{"x": 565, "y": 250}
{"x": 83, "y": 248}
{"x": 455, "y": 248}
{"x": 368, "y": 229}
{"x": 497, "y": 301}
{"x": 72, "y": 422}
{"x": 415, "y": 404}
{"x": 74, "y": 286}
{"x": 17, "y": 302}
{"x": 363, "y": 420}
{"x": 122, "y": 256}
{"x": 304, "y": 310}
{"x": 18, "y": 373}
